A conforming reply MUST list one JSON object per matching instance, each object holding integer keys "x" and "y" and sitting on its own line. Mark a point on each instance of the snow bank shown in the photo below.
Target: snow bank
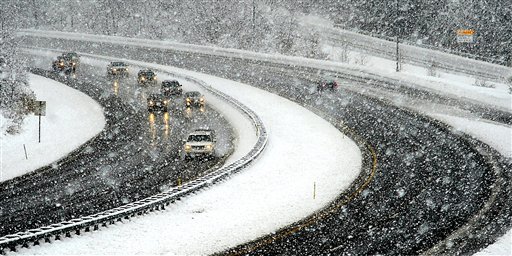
{"x": 71, "y": 119}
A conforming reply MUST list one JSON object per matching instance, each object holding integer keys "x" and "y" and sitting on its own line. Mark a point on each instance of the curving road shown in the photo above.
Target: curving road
{"x": 430, "y": 182}
{"x": 135, "y": 156}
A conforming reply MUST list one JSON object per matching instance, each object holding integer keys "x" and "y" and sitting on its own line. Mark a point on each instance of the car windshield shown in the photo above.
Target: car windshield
{"x": 147, "y": 73}
{"x": 193, "y": 94}
{"x": 71, "y": 54}
{"x": 170, "y": 84}
{"x": 197, "y": 137}
{"x": 155, "y": 97}
{"x": 118, "y": 64}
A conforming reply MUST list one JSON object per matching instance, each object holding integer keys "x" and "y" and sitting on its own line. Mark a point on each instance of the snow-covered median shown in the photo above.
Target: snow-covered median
{"x": 71, "y": 119}
{"x": 304, "y": 152}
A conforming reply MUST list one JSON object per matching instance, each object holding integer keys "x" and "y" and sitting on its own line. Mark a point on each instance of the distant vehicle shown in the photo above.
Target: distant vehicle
{"x": 194, "y": 98}
{"x": 157, "y": 102}
{"x": 171, "y": 87}
{"x": 146, "y": 76}
{"x": 61, "y": 64}
{"x": 73, "y": 59}
{"x": 117, "y": 68}
{"x": 327, "y": 85}
{"x": 200, "y": 142}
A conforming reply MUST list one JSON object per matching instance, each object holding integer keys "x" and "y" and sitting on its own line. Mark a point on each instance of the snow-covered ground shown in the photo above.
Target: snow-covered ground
{"x": 120, "y": 240}
{"x": 71, "y": 119}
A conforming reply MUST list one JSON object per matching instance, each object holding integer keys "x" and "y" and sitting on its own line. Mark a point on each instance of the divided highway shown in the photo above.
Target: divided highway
{"x": 430, "y": 181}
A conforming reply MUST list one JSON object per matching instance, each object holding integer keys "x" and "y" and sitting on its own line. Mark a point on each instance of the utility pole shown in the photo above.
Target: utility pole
{"x": 35, "y": 13}
{"x": 253, "y": 15}
{"x": 253, "y": 22}
{"x": 397, "y": 35}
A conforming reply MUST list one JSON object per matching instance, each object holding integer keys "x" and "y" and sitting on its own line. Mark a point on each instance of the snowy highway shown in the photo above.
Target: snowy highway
{"x": 119, "y": 165}
{"x": 427, "y": 181}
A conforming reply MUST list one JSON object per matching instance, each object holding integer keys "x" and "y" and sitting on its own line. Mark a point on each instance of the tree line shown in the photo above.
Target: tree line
{"x": 271, "y": 25}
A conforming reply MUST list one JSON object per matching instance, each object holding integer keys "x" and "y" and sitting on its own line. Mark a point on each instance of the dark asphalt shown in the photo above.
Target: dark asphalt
{"x": 430, "y": 181}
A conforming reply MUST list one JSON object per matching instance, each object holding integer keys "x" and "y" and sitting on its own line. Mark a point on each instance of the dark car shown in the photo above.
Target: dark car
{"x": 327, "y": 85}
{"x": 194, "y": 98}
{"x": 157, "y": 102}
{"x": 62, "y": 64}
{"x": 171, "y": 87}
{"x": 117, "y": 68}
{"x": 73, "y": 59}
{"x": 146, "y": 76}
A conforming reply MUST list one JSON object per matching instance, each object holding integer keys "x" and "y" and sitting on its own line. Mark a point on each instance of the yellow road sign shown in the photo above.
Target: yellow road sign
{"x": 465, "y": 32}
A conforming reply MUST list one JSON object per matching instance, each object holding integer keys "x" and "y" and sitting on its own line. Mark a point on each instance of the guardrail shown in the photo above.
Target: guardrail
{"x": 426, "y": 46}
{"x": 156, "y": 202}
{"x": 386, "y": 50}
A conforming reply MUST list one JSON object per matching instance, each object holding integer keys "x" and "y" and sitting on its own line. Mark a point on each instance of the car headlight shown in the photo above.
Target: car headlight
{"x": 188, "y": 99}
{"x": 201, "y": 99}
{"x": 208, "y": 147}
{"x": 165, "y": 102}
{"x": 151, "y": 102}
{"x": 114, "y": 69}
{"x": 142, "y": 78}
{"x": 188, "y": 147}
{"x": 154, "y": 78}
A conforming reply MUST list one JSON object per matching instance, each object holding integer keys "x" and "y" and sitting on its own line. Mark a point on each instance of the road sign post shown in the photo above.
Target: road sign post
{"x": 39, "y": 110}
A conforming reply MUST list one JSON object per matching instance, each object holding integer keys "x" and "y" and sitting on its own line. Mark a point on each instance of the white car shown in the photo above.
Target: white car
{"x": 199, "y": 143}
